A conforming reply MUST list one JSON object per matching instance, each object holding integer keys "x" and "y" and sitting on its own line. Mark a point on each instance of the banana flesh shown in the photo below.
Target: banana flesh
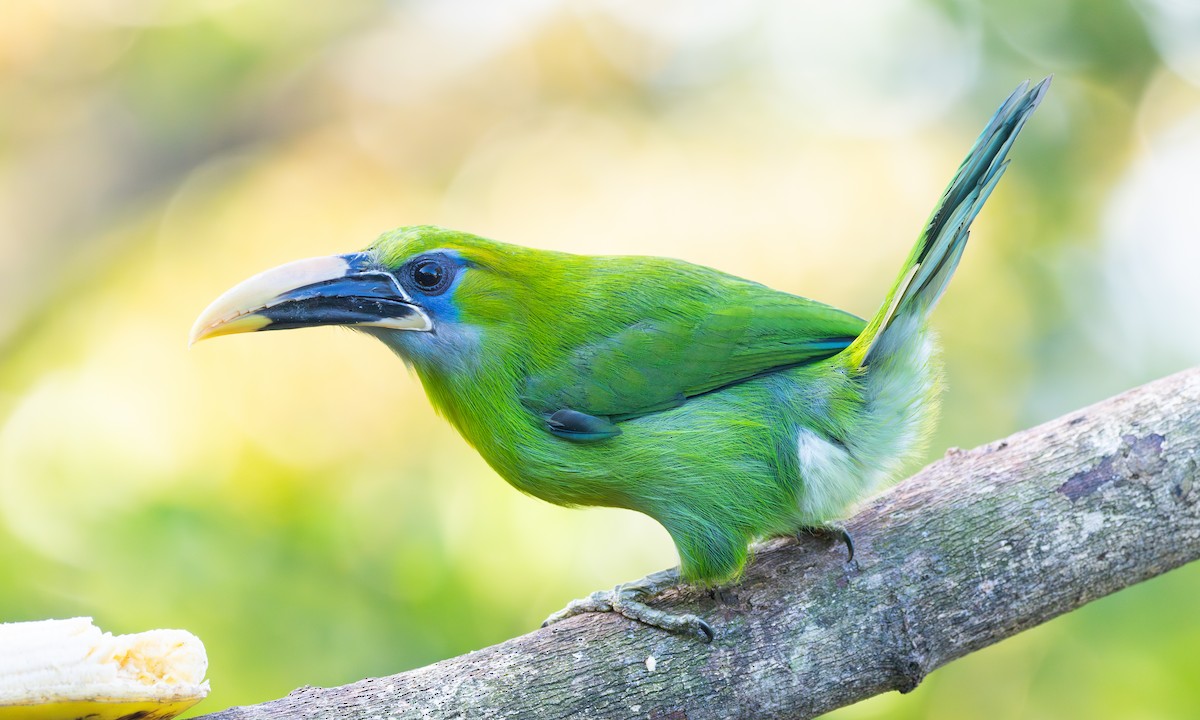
{"x": 68, "y": 669}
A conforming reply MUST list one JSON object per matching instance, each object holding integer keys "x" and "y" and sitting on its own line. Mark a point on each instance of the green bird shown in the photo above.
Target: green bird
{"x": 723, "y": 409}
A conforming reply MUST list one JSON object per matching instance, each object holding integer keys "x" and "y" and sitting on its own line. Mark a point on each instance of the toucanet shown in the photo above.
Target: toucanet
{"x": 723, "y": 409}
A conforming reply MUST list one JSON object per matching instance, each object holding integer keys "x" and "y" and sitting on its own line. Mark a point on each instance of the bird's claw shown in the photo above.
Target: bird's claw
{"x": 831, "y": 531}
{"x": 627, "y": 600}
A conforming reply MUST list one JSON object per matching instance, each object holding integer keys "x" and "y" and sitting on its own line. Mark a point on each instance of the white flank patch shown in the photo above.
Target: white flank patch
{"x": 828, "y": 475}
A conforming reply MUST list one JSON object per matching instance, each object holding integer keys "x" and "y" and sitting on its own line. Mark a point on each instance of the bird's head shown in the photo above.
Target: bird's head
{"x": 427, "y": 292}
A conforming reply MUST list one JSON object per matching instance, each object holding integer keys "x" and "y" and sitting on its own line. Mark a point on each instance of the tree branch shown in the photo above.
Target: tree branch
{"x": 973, "y": 549}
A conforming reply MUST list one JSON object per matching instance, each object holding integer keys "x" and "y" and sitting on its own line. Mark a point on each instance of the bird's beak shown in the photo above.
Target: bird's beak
{"x": 337, "y": 290}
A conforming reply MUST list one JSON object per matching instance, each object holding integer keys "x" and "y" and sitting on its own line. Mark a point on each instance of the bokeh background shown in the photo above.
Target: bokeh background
{"x": 291, "y": 498}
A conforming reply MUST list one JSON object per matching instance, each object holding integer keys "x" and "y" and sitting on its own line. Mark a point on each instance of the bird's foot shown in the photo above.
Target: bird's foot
{"x": 628, "y": 600}
{"x": 832, "y": 532}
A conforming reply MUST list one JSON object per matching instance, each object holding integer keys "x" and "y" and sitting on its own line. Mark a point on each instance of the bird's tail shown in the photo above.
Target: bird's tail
{"x": 936, "y": 254}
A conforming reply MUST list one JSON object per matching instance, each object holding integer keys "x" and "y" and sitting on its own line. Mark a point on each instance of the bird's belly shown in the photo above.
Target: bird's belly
{"x": 729, "y": 454}
{"x": 766, "y": 455}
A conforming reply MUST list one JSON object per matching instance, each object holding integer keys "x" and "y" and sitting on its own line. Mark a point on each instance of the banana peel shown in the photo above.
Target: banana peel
{"x": 69, "y": 670}
{"x": 96, "y": 710}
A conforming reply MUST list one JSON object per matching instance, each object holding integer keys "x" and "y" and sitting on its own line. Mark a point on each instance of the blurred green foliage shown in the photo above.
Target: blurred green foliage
{"x": 292, "y": 500}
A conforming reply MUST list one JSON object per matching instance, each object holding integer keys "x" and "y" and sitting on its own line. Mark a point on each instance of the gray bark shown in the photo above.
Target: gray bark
{"x": 974, "y": 548}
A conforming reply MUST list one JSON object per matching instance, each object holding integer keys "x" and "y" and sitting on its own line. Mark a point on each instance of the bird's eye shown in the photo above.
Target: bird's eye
{"x": 431, "y": 275}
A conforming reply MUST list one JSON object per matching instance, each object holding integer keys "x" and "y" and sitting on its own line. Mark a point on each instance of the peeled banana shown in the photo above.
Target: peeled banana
{"x": 68, "y": 669}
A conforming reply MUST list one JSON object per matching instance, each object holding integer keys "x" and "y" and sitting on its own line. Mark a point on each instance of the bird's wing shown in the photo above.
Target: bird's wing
{"x": 658, "y": 362}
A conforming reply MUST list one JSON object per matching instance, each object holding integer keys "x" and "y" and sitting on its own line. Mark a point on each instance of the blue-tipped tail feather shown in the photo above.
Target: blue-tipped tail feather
{"x": 939, "y": 248}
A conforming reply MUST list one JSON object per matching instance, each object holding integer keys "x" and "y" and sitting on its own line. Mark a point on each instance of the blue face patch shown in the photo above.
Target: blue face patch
{"x": 431, "y": 279}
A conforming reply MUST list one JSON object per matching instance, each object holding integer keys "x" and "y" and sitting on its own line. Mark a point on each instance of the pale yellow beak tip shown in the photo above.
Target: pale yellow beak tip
{"x": 206, "y": 328}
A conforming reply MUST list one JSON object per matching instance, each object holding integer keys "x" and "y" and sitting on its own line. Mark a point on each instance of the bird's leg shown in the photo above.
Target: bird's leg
{"x": 832, "y": 532}
{"x": 628, "y": 599}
